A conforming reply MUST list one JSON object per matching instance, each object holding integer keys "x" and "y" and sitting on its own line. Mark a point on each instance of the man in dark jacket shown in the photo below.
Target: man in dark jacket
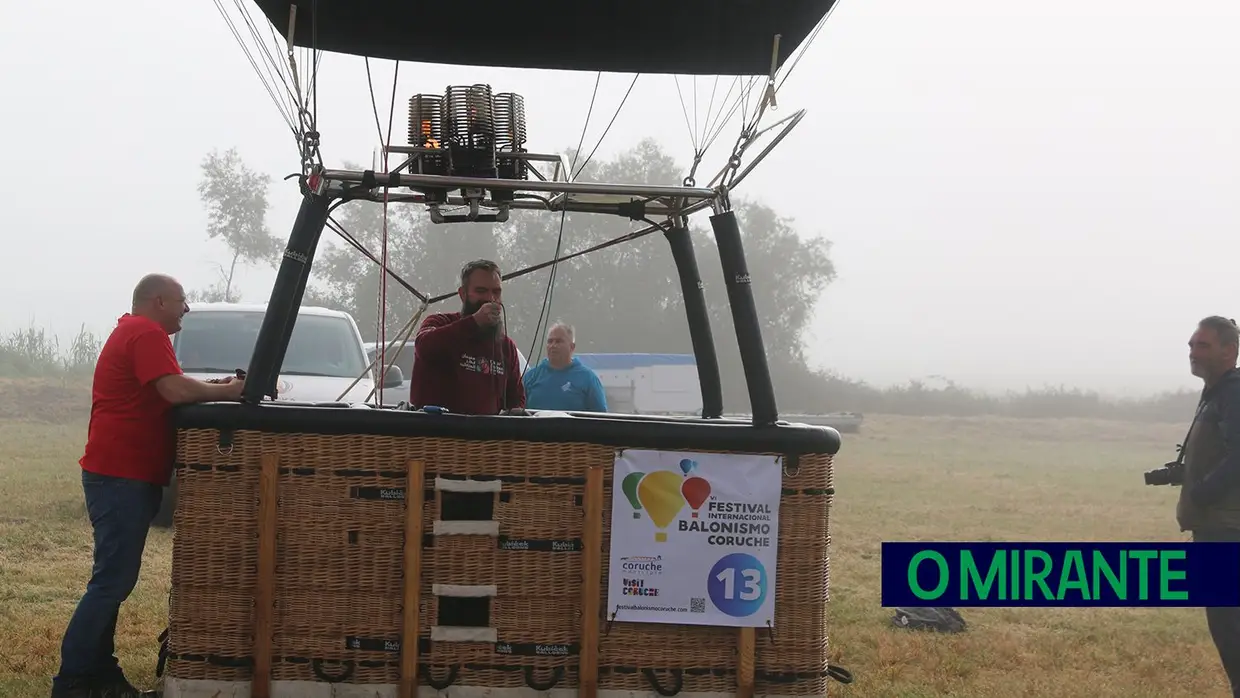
{"x": 1210, "y": 497}
{"x": 466, "y": 362}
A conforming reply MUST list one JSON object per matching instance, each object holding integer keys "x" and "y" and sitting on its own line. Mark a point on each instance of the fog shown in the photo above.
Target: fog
{"x": 1017, "y": 194}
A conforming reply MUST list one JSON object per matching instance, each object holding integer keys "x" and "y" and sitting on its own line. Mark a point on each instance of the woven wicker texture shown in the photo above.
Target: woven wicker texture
{"x": 339, "y": 569}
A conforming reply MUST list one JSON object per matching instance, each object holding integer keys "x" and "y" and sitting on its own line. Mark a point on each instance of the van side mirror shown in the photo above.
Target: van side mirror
{"x": 394, "y": 377}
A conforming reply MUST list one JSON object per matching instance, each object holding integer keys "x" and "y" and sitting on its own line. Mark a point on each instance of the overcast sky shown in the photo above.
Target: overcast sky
{"x": 1018, "y": 194}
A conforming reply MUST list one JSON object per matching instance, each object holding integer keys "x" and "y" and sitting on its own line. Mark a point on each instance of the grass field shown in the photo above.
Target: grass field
{"x": 903, "y": 478}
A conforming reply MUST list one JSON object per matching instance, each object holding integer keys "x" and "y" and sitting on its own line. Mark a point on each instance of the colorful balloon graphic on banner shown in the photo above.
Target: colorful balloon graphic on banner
{"x": 629, "y": 485}
{"x": 659, "y": 493}
{"x": 695, "y": 490}
{"x": 663, "y": 494}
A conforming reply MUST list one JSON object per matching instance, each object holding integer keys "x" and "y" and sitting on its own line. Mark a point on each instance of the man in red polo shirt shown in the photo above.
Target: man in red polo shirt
{"x": 130, "y": 447}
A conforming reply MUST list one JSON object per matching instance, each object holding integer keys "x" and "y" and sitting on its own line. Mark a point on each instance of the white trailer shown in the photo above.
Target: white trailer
{"x": 648, "y": 383}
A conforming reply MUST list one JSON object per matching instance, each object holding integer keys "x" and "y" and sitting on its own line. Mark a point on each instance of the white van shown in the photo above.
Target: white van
{"x": 324, "y": 356}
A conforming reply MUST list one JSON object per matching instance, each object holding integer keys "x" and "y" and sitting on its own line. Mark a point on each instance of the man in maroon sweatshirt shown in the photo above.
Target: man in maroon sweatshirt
{"x": 465, "y": 362}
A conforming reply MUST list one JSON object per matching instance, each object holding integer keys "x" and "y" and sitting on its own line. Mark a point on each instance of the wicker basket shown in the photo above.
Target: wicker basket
{"x": 499, "y": 600}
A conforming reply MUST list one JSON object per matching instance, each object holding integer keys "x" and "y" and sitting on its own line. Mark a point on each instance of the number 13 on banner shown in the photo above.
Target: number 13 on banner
{"x": 737, "y": 585}
{"x": 752, "y": 579}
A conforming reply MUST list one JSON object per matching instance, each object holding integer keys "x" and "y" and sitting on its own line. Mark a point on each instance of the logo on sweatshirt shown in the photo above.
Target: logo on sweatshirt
{"x": 482, "y": 364}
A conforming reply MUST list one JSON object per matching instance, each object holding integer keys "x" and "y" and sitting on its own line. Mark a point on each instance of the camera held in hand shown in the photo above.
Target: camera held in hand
{"x": 1170, "y": 474}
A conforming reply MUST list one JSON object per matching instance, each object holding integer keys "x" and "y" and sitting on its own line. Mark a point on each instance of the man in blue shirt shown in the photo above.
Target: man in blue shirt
{"x": 560, "y": 381}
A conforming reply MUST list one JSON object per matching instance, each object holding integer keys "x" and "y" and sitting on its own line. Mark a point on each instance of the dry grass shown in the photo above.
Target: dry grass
{"x": 904, "y": 478}
{"x": 50, "y": 400}
{"x": 985, "y": 478}
{"x": 45, "y": 558}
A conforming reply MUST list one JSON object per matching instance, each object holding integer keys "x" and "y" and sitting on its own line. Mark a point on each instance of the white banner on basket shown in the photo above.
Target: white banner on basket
{"x": 694, "y": 538}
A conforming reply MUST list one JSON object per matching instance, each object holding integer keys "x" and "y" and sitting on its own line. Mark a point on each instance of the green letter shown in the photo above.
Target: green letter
{"x": 1164, "y": 558}
{"x": 1015, "y": 580}
{"x": 944, "y": 576}
{"x": 1038, "y": 577}
{"x": 1074, "y": 566}
{"x": 1143, "y": 580}
{"x": 1120, "y": 584}
{"x": 970, "y": 573}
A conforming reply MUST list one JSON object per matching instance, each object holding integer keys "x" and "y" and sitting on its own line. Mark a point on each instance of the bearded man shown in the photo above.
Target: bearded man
{"x": 465, "y": 362}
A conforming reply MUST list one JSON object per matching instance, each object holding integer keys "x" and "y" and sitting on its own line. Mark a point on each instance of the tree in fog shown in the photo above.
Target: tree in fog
{"x": 424, "y": 255}
{"x": 627, "y": 298}
{"x": 235, "y": 197}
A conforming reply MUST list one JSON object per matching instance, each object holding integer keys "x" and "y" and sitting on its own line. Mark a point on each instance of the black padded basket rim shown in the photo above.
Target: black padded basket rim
{"x": 617, "y": 430}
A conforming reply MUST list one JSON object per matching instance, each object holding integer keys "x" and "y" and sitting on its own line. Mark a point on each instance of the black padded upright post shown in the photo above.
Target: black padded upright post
{"x": 286, "y": 294}
{"x": 745, "y": 318}
{"x": 698, "y": 319}
{"x": 292, "y": 323}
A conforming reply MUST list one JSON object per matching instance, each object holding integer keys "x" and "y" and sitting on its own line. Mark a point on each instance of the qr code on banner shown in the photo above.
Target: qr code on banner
{"x": 697, "y": 604}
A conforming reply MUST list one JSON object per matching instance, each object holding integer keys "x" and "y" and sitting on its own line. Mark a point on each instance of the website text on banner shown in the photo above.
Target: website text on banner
{"x": 694, "y": 538}
{"x": 1061, "y": 574}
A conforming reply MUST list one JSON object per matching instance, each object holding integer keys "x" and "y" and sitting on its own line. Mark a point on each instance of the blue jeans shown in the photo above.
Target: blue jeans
{"x": 121, "y": 511}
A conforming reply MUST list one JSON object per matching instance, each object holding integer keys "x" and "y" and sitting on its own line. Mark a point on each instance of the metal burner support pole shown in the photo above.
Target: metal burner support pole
{"x": 698, "y": 318}
{"x": 397, "y": 180}
{"x": 745, "y": 318}
{"x": 285, "y": 301}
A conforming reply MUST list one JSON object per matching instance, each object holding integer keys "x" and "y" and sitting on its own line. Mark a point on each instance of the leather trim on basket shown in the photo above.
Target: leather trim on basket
{"x": 450, "y": 633}
{"x": 467, "y": 485}
{"x": 464, "y": 590}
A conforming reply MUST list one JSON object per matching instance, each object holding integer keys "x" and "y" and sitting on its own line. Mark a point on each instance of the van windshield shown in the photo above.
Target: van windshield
{"x": 221, "y": 342}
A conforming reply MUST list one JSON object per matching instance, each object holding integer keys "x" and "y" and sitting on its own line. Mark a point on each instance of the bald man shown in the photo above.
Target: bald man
{"x": 127, "y": 462}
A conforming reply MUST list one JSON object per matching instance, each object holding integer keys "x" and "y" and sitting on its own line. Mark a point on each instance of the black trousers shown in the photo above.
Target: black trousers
{"x": 1224, "y": 621}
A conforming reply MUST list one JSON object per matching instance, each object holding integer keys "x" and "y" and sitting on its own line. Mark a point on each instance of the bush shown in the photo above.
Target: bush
{"x": 33, "y": 353}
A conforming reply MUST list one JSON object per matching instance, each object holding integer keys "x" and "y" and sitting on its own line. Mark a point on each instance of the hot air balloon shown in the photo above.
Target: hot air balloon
{"x": 696, "y": 490}
{"x": 629, "y": 486}
{"x": 466, "y": 159}
{"x": 659, "y": 493}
